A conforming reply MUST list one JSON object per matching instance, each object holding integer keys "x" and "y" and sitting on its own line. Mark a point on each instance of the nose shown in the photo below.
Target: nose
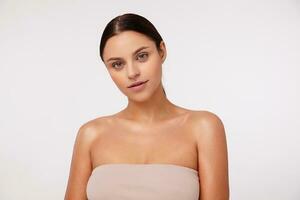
{"x": 132, "y": 71}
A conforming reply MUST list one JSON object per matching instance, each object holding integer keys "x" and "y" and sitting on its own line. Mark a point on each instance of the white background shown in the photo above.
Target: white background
{"x": 237, "y": 59}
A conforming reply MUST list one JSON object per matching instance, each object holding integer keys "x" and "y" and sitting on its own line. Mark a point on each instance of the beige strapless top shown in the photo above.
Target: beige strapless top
{"x": 121, "y": 181}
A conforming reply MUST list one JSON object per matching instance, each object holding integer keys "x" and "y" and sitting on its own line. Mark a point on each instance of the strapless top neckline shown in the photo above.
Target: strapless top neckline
{"x": 145, "y": 165}
{"x": 160, "y": 181}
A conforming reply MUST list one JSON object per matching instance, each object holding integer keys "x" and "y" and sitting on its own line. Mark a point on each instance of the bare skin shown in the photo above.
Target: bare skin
{"x": 151, "y": 129}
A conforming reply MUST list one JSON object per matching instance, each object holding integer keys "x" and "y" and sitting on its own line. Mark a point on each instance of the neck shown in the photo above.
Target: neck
{"x": 154, "y": 109}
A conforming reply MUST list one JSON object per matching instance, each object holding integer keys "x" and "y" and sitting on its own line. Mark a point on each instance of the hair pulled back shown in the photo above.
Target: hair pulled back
{"x": 130, "y": 22}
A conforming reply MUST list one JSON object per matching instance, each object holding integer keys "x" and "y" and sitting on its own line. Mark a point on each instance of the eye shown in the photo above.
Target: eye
{"x": 142, "y": 56}
{"x": 116, "y": 64}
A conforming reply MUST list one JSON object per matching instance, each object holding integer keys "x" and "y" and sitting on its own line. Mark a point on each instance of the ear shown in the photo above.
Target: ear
{"x": 163, "y": 51}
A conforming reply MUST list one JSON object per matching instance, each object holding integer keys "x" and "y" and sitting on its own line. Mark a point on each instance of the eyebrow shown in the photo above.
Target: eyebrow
{"x": 139, "y": 49}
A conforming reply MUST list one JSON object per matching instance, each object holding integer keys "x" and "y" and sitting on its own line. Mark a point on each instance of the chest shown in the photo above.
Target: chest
{"x": 168, "y": 143}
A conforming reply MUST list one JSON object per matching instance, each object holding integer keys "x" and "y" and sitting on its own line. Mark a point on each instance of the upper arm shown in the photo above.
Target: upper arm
{"x": 81, "y": 166}
{"x": 212, "y": 158}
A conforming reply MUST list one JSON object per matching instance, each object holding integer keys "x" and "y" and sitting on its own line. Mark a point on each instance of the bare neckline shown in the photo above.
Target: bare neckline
{"x": 147, "y": 164}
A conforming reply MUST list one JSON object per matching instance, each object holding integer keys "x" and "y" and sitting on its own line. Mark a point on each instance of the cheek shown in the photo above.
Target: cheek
{"x": 117, "y": 78}
{"x": 153, "y": 68}
{"x": 119, "y": 82}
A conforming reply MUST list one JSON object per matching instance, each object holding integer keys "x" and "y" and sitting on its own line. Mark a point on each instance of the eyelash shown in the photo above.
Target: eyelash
{"x": 141, "y": 54}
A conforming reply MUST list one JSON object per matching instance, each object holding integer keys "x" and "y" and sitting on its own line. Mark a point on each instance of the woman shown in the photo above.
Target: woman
{"x": 152, "y": 149}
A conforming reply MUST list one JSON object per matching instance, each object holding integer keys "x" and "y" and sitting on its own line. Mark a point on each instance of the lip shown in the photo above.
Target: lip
{"x": 139, "y": 87}
{"x": 137, "y": 83}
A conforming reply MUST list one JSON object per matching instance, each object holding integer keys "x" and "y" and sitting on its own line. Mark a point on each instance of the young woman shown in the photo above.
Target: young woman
{"x": 152, "y": 149}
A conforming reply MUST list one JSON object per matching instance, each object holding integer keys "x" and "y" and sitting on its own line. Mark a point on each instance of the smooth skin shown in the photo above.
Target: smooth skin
{"x": 151, "y": 129}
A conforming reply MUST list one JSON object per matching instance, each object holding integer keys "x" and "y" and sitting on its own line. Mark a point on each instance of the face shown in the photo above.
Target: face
{"x": 131, "y": 57}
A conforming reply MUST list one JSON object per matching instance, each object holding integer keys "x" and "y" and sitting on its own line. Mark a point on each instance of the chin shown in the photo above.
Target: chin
{"x": 139, "y": 97}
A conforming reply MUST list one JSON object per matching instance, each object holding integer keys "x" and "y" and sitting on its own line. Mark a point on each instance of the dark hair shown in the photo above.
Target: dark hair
{"x": 130, "y": 22}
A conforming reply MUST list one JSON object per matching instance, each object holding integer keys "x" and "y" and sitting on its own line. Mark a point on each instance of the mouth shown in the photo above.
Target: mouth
{"x": 137, "y": 84}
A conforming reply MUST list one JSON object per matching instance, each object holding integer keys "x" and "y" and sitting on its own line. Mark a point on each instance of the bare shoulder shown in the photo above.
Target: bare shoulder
{"x": 93, "y": 128}
{"x": 212, "y": 155}
{"x": 81, "y": 163}
{"x": 206, "y": 123}
{"x": 205, "y": 116}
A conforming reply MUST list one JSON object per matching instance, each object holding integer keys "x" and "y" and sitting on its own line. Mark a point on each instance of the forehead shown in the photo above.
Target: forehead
{"x": 125, "y": 43}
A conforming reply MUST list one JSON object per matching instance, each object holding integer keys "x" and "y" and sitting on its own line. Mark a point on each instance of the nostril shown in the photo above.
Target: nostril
{"x": 133, "y": 75}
